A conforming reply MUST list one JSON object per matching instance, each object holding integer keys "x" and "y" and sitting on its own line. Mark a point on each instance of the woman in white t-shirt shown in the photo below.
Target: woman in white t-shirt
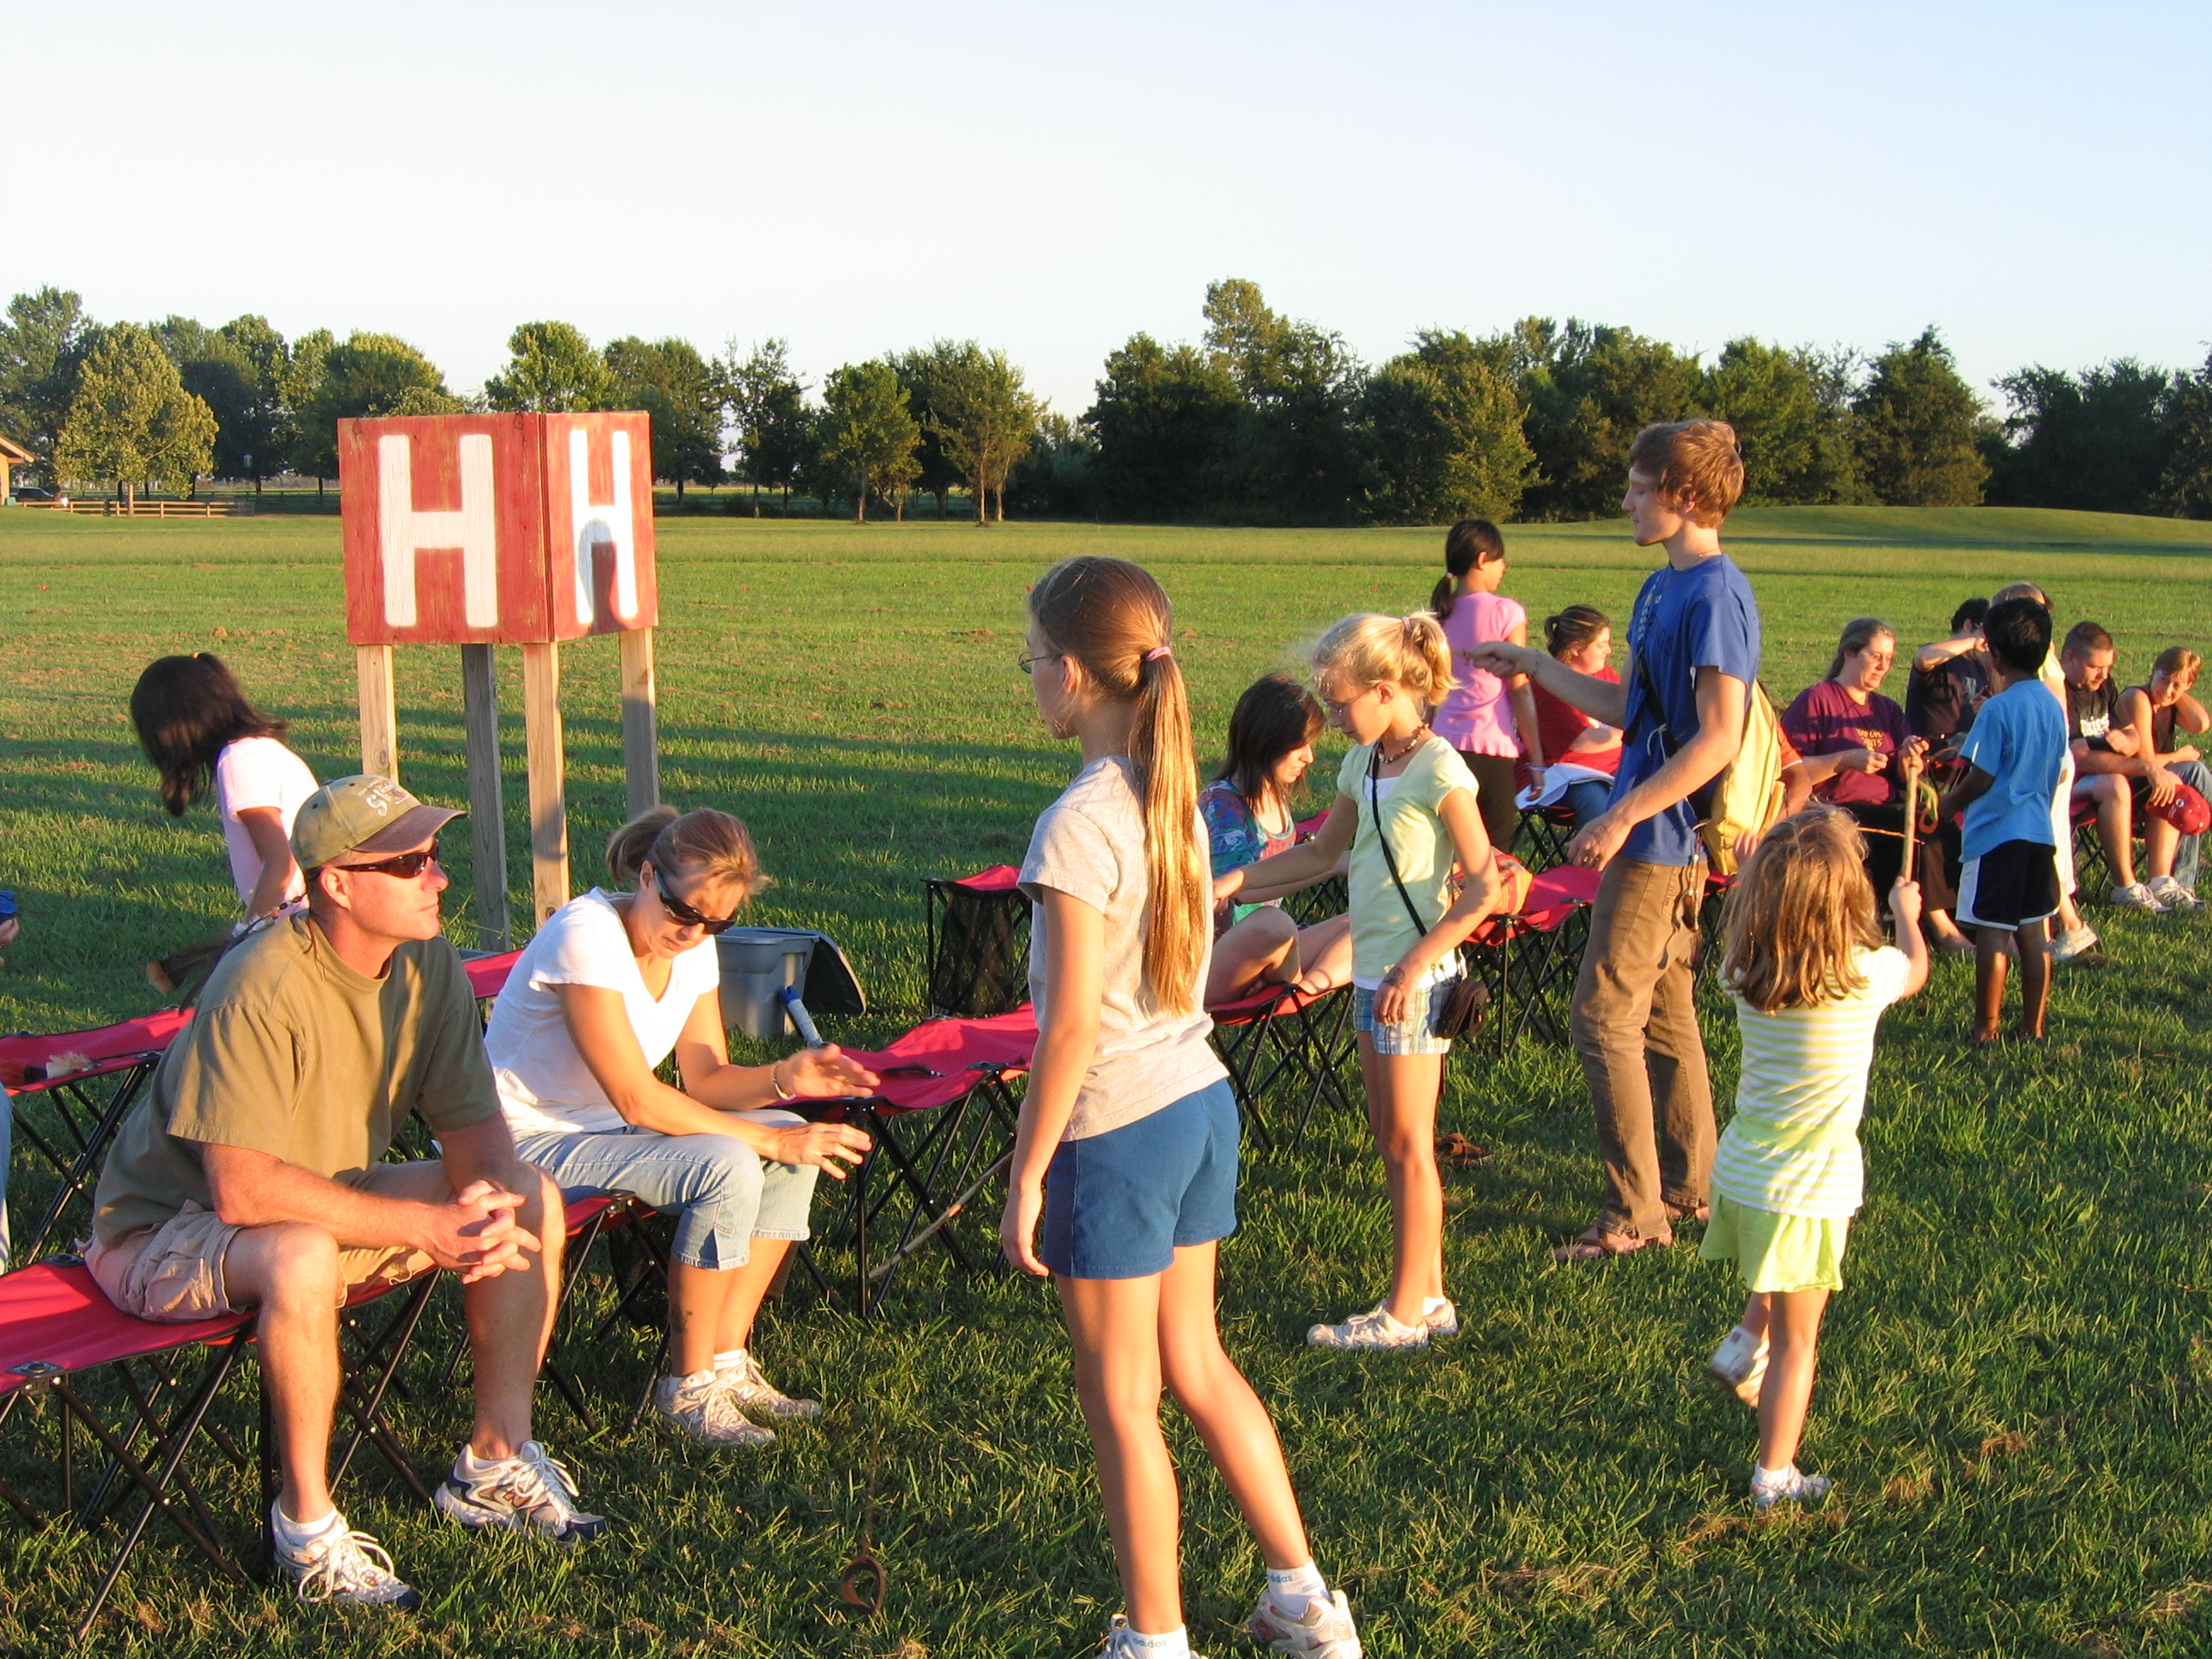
{"x": 609, "y": 988}
{"x": 197, "y": 728}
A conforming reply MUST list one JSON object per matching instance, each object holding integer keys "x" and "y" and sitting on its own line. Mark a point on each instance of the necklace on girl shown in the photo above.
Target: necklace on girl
{"x": 1419, "y": 736}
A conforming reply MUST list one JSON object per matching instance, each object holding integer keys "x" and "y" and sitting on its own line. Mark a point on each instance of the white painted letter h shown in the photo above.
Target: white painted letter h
{"x": 403, "y": 532}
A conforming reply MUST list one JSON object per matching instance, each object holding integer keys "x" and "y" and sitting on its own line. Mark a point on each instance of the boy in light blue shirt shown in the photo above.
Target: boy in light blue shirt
{"x": 2013, "y": 755}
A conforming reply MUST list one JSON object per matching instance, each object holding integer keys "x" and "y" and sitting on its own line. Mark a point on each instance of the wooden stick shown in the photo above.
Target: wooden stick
{"x": 1911, "y": 816}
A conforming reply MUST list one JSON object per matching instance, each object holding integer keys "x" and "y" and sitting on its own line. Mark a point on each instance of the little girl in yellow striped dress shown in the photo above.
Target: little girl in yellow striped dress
{"x": 1810, "y": 976}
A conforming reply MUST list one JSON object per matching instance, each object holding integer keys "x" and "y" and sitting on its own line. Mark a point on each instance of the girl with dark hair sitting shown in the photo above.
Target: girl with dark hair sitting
{"x": 1247, "y": 810}
{"x": 198, "y": 730}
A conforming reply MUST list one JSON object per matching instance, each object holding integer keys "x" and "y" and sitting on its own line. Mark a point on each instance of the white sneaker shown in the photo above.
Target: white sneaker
{"x": 1738, "y": 1364}
{"x": 343, "y": 1566}
{"x": 2173, "y": 895}
{"x": 744, "y": 1387}
{"x": 1442, "y": 1322}
{"x": 1787, "y": 1487}
{"x": 1326, "y": 1631}
{"x": 2136, "y": 897}
{"x": 1374, "y": 1329}
{"x": 1122, "y": 1641}
{"x": 702, "y": 1412}
{"x": 2073, "y": 943}
{"x": 529, "y": 1491}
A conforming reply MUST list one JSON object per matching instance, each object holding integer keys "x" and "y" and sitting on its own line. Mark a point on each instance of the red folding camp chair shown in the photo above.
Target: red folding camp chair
{"x": 1281, "y": 1035}
{"x": 979, "y": 943}
{"x": 1541, "y": 840}
{"x": 943, "y": 1122}
{"x": 1544, "y": 947}
{"x": 130, "y": 1386}
{"x": 66, "y": 1120}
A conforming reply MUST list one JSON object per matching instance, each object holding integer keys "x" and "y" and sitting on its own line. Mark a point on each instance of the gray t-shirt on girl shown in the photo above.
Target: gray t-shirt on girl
{"x": 1089, "y": 845}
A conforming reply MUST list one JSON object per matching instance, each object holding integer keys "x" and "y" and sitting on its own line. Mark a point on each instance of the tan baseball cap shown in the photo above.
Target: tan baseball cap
{"x": 366, "y": 816}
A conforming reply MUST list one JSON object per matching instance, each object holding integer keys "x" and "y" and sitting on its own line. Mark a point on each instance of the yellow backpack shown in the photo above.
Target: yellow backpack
{"x": 1746, "y": 797}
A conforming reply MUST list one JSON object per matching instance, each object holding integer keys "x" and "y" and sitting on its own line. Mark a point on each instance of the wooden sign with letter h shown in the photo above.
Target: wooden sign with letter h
{"x": 481, "y": 530}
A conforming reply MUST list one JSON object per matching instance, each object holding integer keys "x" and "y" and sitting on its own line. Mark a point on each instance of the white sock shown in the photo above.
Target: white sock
{"x": 298, "y": 1534}
{"x": 1290, "y": 1589}
{"x": 1763, "y": 1476}
{"x": 693, "y": 1380}
{"x": 1435, "y": 1303}
{"x": 468, "y": 1463}
{"x": 724, "y": 1362}
{"x": 1170, "y": 1645}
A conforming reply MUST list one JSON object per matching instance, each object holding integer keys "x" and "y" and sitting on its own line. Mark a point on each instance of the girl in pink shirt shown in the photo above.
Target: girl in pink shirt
{"x": 1490, "y": 721}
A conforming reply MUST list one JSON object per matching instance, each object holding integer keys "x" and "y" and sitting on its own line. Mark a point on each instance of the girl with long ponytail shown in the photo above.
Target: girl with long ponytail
{"x": 1491, "y": 721}
{"x": 1124, "y": 1175}
{"x": 1406, "y": 808}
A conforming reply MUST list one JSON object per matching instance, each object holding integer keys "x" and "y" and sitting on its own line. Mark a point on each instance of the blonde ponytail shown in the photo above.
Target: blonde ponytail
{"x": 1115, "y": 619}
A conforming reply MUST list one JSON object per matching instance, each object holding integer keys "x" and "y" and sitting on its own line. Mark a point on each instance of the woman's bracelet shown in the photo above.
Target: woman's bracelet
{"x": 775, "y": 1083}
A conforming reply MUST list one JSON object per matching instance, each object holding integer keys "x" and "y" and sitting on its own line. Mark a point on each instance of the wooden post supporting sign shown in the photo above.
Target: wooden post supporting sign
{"x": 487, "y": 799}
{"x": 640, "y": 729}
{"x": 379, "y": 712}
{"x": 548, "y": 812}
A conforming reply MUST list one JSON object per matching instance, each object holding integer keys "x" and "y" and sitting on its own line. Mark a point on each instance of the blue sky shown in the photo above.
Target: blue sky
{"x": 1052, "y": 177}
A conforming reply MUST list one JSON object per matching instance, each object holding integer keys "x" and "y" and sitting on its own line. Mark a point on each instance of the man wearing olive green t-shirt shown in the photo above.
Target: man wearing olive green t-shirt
{"x": 249, "y": 1176}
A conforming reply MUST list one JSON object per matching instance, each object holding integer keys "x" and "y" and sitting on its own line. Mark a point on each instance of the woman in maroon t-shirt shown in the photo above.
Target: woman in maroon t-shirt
{"x": 1854, "y": 741}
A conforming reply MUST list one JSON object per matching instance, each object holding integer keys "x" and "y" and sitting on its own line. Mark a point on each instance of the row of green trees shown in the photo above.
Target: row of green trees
{"x": 1271, "y": 419}
{"x": 1265, "y": 419}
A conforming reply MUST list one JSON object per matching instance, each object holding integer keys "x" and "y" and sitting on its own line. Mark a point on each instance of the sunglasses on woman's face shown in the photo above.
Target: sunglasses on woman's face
{"x": 683, "y": 915}
{"x": 405, "y": 865}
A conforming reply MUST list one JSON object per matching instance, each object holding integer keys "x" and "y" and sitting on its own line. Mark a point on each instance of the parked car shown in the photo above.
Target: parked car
{"x": 33, "y": 493}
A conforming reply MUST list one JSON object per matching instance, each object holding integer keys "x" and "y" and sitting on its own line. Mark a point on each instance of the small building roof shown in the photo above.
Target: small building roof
{"x": 13, "y": 452}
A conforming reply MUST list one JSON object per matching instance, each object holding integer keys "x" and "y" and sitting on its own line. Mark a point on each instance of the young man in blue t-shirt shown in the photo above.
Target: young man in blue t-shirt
{"x": 1694, "y": 653}
{"x": 2010, "y": 889}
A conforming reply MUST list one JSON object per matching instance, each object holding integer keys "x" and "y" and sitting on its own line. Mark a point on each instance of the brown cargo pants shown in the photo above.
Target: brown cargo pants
{"x": 1637, "y": 1032}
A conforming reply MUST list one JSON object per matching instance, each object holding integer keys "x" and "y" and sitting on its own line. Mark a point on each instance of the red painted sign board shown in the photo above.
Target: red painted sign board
{"x": 497, "y": 529}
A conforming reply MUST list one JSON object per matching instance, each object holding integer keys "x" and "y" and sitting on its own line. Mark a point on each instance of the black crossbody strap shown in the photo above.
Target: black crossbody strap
{"x": 1375, "y": 805}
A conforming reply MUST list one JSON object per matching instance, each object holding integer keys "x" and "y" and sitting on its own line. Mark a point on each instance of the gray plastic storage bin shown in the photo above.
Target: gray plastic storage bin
{"x": 758, "y": 962}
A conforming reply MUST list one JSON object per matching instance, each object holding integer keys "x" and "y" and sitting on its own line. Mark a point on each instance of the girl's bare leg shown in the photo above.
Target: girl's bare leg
{"x": 1402, "y": 1109}
{"x": 1239, "y": 1436}
{"x": 1325, "y": 954}
{"x": 1793, "y": 1329}
{"x": 1114, "y": 1326}
{"x": 1256, "y": 949}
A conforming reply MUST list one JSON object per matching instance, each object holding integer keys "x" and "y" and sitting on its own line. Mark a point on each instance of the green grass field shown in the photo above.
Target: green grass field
{"x": 2014, "y": 1387}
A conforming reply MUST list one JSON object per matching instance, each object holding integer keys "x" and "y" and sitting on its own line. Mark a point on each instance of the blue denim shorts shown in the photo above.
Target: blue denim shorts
{"x": 1416, "y": 1034}
{"x": 1120, "y": 1204}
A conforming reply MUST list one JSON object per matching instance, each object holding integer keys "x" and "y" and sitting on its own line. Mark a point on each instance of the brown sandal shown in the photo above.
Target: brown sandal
{"x": 1602, "y": 1244}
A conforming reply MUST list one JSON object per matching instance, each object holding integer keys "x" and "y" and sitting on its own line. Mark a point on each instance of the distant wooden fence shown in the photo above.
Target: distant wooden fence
{"x": 114, "y": 509}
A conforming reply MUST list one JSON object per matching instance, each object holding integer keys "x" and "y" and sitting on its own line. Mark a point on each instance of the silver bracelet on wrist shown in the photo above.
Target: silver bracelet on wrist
{"x": 776, "y": 1083}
